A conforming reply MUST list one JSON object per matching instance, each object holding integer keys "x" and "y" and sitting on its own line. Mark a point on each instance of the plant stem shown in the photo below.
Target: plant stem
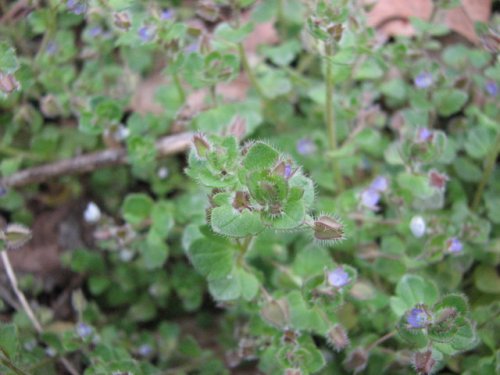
{"x": 26, "y": 307}
{"x": 381, "y": 340}
{"x": 488, "y": 170}
{"x": 249, "y": 71}
{"x": 19, "y": 294}
{"x": 7, "y": 363}
{"x": 213, "y": 95}
{"x": 330, "y": 116}
{"x": 180, "y": 89}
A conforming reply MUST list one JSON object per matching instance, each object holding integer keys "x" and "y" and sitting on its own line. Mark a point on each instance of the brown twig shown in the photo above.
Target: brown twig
{"x": 168, "y": 145}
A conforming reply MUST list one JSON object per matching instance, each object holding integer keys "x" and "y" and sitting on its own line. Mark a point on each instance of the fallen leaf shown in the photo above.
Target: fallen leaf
{"x": 391, "y": 17}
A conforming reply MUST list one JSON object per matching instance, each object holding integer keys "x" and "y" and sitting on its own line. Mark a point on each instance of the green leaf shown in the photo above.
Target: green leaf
{"x": 8, "y": 59}
{"x": 486, "y": 279}
{"x": 230, "y": 222}
{"x": 239, "y": 283}
{"x": 304, "y": 318}
{"x": 9, "y": 341}
{"x": 455, "y": 301}
{"x": 412, "y": 290}
{"x": 417, "y": 185}
{"x": 228, "y": 33}
{"x": 162, "y": 218}
{"x": 479, "y": 141}
{"x": 137, "y": 207}
{"x": 370, "y": 69}
{"x": 449, "y": 101}
{"x": 212, "y": 258}
{"x": 260, "y": 156}
{"x": 155, "y": 251}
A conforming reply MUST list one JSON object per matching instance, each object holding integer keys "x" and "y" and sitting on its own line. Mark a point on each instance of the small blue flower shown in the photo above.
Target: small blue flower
{"x": 423, "y": 80}
{"x": 380, "y": 184}
{"x": 52, "y": 48}
{"x": 288, "y": 171}
{"x": 145, "y": 350}
{"x": 417, "y": 317}
{"x": 147, "y": 33}
{"x": 83, "y": 330}
{"x": 77, "y": 7}
{"x": 491, "y": 88}
{"x": 193, "y": 47}
{"x": 338, "y": 277}
{"x": 370, "y": 198}
{"x": 424, "y": 135}
{"x": 167, "y": 14}
{"x": 95, "y": 31}
{"x": 454, "y": 245}
{"x": 305, "y": 146}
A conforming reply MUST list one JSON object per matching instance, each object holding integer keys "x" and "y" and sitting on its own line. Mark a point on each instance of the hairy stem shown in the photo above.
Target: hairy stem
{"x": 180, "y": 88}
{"x": 381, "y": 340}
{"x": 330, "y": 116}
{"x": 488, "y": 170}
{"x": 249, "y": 71}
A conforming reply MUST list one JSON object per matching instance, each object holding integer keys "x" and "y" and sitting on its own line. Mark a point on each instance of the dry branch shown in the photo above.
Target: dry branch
{"x": 165, "y": 146}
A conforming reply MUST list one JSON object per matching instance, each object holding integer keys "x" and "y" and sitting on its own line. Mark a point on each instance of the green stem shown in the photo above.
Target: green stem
{"x": 7, "y": 363}
{"x": 180, "y": 88}
{"x": 488, "y": 170}
{"x": 330, "y": 116}
{"x": 213, "y": 95}
{"x": 12, "y": 151}
{"x": 381, "y": 340}
{"x": 249, "y": 71}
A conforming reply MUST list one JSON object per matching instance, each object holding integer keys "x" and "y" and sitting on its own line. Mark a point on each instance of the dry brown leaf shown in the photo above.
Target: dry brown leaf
{"x": 391, "y": 17}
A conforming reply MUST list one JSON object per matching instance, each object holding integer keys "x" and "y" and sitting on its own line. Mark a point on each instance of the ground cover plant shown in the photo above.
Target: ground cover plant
{"x": 248, "y": 187}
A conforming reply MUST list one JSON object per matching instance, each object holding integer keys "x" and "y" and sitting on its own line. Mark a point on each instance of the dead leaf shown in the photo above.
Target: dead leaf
{"x": 391, "y": 17}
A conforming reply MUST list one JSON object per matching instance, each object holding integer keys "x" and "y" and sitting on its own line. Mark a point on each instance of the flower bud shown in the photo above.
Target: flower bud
{"x": 122, "y": 20}
{"x": 50, "y": 106}
{"x": 336, "y": 31}
{"x": 8, "y": 83}
{"x": 337, "y": 337}
{"x": 207, "y": 10}
{"x": 276, "y": 313}
{"x": 437, "y": 180}
{"x": 417, "y": 226}
{"x": 357, "y": 360}
{"x": 423, "y": 362}
{"x": 328, "y": 228}
{"x": 92, "y": 213}
{"x": 201, "y": 145}
{"x": 15, "y": 235}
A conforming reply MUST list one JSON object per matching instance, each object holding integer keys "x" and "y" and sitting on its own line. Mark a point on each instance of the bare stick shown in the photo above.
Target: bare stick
{"x": 19, "y": 294}
{"x": 168, "y": 145}
{"x": 26, "y": 307}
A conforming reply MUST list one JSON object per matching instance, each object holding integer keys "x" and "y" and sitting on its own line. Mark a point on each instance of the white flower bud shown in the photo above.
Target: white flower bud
{"x": 417, "y": 226}
{"x": 92, "y": 213}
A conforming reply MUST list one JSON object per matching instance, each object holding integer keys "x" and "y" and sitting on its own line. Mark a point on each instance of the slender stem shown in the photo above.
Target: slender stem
{"x": 19, "y": 294}
{"x": 12, "y": 151}
{"x": 7, "y": 363}
{"x": 488, "y": 170}
{"x": 180, "y": 88}
{"x": 381, "y": 340}
{"x": 26, "y": 307}
{"x": 249, "y": 71}
{"x": 213, "y": 95}
{"x": 330, "y": 116}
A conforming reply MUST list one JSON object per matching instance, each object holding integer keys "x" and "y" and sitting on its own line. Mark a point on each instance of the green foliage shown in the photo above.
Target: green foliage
{"x": 337, "y": 184}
